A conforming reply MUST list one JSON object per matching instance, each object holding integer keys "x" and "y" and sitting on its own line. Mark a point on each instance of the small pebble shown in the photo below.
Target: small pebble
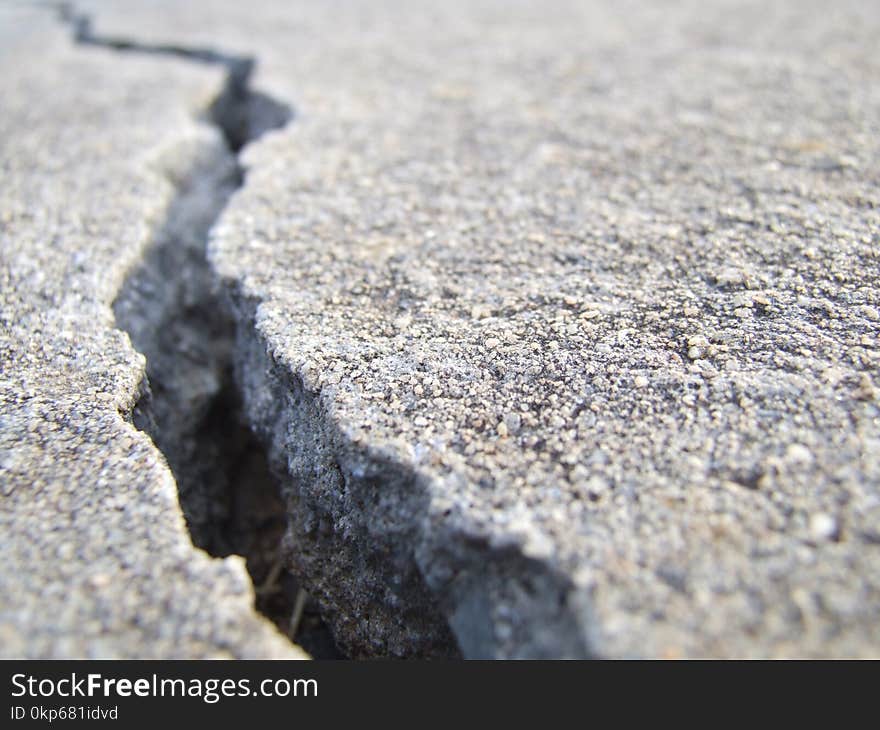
{"x": 697, "y": 346}
{"x": 798, "y": 454}
{"x": 823, "y": 526}
{"x": 513, "y": 421}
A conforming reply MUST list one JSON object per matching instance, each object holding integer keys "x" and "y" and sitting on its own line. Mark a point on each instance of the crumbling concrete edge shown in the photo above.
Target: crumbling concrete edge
{"x": 209, "y": 157}
{"x": 396, "y": 570}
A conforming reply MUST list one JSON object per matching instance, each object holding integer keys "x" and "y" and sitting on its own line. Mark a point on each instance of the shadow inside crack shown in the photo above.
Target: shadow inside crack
{"x": 172, "y": 311}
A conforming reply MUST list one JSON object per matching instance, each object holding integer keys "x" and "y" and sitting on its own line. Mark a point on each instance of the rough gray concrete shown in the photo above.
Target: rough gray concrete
{"x": 562, "y": 318}
{"x": 95, "y": 559}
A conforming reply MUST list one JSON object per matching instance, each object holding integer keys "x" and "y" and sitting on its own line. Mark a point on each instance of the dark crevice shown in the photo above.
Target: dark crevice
{"x": 396, "y": 581}
{"x": 171, "y": 308}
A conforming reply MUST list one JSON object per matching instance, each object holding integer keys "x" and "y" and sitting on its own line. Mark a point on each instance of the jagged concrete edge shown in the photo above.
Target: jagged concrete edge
{"x": 212, "y": 160}
{"x": 498, "y": 601}
{"x": 210, "y": 141}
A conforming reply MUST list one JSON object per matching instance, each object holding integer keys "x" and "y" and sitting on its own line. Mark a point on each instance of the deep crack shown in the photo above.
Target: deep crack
{"x": 175, "y": 316}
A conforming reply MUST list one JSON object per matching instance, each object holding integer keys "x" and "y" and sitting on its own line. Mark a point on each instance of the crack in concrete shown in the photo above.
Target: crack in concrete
{"x": 198, "y": 342}
{"x": 174, "y": 314}
{"x": 241, "y": 113}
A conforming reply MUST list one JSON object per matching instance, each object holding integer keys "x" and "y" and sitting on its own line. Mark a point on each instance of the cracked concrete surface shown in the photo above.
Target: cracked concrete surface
{"x": 559, "y": 320}
{"x": 96, "y": 560}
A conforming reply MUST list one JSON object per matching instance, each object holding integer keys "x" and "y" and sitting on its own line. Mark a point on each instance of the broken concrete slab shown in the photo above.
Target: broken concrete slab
{"x": 562, "y": 320}
{"x": 96, "y": 560}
